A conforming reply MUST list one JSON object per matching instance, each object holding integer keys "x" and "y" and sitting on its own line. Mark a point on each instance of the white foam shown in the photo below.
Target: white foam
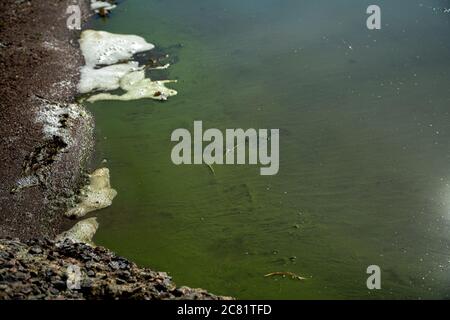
{"x": 104, "y": 48}
{"x": 82, "y": 232}
{"x": 97, "y": 195}
{"x": 106, "y": 78}
{"x": 97, "y": 5}
{"x": 138, "y": 87}
{"x": 51, "y": 116}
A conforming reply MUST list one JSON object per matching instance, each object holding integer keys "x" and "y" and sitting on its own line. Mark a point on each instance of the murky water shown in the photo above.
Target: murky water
{"x": 365, "y": 148}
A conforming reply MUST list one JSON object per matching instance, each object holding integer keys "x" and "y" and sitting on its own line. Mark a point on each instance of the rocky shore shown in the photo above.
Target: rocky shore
{"x": 45, "y": 269}
{"x": 45, "y": 148}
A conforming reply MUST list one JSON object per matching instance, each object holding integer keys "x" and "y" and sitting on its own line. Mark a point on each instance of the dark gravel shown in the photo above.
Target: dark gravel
{"x": 39, "y": 269}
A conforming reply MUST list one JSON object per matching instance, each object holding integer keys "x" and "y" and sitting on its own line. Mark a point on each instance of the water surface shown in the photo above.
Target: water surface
{"x": 364, "y": 149}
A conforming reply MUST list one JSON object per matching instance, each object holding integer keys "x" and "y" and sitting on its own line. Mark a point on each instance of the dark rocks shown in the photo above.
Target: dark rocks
{"x": 44, "y": 269}
{"x": 35, "y": 250}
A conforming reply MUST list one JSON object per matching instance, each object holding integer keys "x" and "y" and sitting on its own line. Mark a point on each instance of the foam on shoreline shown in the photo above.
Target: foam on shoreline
{"x": 98, "y": 194}
{"x": 96, "y": 6}
{"x": 104, "y": 48}
{"x": 138, "y": 87}
{"x": 108, "y": 67}
{"x": 82, "y": 232}
{"x": 104, "y": 79}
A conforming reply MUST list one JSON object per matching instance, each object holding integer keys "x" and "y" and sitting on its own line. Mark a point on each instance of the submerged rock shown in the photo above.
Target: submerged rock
{"x": 97, "y": 195}
{"x": 82, "y": 232}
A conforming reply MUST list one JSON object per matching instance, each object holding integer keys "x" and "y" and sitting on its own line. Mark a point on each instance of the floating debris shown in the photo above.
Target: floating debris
{"x": 102, "y": 8}
{"x": 164, "y": 67}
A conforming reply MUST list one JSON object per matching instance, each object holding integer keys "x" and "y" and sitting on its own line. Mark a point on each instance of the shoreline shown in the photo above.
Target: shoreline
{"x": 47, "y": 143}
{"x": 48, "y": 270}
{"x": 47, "y": 139}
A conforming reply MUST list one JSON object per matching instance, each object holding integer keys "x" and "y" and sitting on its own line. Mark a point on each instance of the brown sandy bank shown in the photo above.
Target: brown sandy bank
{"x": 44, "y": 145}
{"x": 46, "y": 140}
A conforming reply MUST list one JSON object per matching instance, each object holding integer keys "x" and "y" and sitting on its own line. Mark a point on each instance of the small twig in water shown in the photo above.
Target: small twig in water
{"x": 211, "y": 168}
{"x": 284, "y": 274}
{"x": 166, "y": 66}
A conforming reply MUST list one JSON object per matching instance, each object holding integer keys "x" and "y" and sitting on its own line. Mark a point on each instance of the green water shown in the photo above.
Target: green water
{"x": 364, "y": 148}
